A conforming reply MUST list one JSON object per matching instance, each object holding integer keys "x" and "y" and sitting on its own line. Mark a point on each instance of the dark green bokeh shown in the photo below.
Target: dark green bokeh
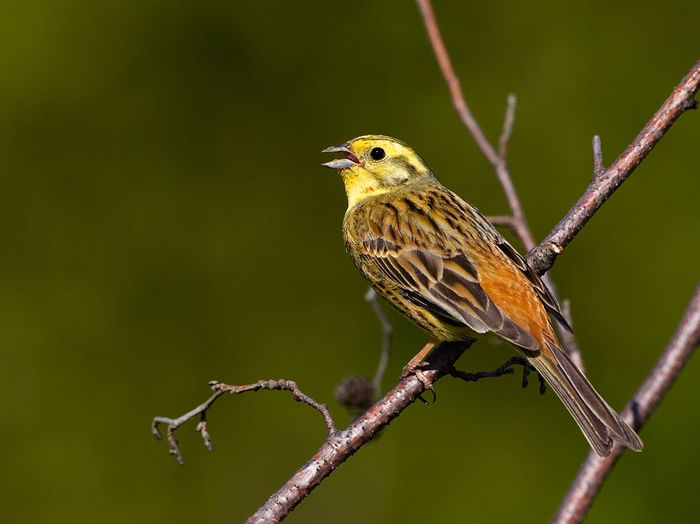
{"x": 165, "y": 222}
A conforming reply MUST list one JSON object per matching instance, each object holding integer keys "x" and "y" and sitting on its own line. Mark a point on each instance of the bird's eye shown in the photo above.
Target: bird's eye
{"x": 377, "y": 153}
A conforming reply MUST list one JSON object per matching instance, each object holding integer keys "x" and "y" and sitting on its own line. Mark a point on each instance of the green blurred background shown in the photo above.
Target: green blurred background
{"x": 165, "y": 221}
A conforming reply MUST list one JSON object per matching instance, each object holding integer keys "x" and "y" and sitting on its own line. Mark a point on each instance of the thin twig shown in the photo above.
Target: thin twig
{"x": 499, "y": 161}
{"x": 219, "y": 390}
{"x": 507, "y": 130}
{"x": 568, "y": 338}
{"x": 443, "y": 59}
{"x": 387, "y": 334}
{"x": 501, "y": 220}
{"x": 595, "y": 470}
{"x": 604, "y": 185}
{"x": 604, "y": 182}
{"x": 598, "y": 167}
{"x": 279, "y": 385}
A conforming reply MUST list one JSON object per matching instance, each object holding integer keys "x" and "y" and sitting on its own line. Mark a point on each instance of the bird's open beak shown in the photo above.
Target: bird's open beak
{"x": 341, "y": 163}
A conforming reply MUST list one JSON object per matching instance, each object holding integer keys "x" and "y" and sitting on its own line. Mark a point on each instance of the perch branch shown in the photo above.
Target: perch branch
{"x": 604, "y": 182}
{"x": 346, "y": 442}
{"x": 340, "y": 445}
{"x": 595, "y": 470}
{"x": 343, "y": 444}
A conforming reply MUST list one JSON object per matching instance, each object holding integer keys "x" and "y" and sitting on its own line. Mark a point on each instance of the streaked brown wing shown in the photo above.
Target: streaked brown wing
{"x": 445, "y": 282}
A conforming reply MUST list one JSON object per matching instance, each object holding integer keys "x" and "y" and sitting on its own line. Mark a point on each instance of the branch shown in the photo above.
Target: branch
{"x": 343, "y": 444}
{"x": 340, "y": 445}
{"x": 541, "y": 258}
{"x": 595, "y": 470}
{"x": 443, "y": 59}
{"x": 606, "y": 180}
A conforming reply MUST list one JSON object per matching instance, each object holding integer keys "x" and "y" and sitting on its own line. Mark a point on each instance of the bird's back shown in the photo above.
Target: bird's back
{"x": 433, "y": 246}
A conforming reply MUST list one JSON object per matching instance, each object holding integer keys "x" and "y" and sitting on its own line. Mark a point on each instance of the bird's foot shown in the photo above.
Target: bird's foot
{"x": 417, "y": 370}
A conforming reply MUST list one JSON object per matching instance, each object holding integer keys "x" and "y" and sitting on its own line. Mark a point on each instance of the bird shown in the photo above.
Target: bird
{"x": 435, "y": 258}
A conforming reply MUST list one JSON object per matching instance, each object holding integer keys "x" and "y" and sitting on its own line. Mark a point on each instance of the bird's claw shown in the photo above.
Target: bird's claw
{"x": 418, "y": 372}
{"x": 413, "y": 369}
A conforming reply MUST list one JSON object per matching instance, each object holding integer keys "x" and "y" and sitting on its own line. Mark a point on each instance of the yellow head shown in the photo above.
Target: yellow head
{"x": 376, "y": 164}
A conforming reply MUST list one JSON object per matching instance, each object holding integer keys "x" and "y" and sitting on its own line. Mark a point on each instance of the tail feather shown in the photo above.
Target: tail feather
{"x": 600, "y": 424}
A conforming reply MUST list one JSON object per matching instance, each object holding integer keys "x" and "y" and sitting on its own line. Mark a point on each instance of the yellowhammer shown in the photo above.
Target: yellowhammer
{"x": 436, "y": 259}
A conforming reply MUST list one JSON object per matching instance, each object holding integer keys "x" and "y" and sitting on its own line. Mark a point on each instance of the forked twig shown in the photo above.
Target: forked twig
{"x": 343, "y": 444}
{"x": 173, "y": 424}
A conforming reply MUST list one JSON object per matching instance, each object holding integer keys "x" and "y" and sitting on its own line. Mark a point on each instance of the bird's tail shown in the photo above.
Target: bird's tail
{"x": 600, "y": 424}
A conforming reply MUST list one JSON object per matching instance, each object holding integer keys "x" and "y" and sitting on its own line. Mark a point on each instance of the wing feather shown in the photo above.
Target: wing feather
{"x": 431, "y": 262}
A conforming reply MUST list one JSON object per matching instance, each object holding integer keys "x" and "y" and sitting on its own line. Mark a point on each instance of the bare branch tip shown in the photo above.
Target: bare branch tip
{"x": 507, "y": 131}
{"x": 155, "y": 430}
{"x": 502, "y": 220}
{"x": 201, "y": 428}
{"x": 598, "y": 167}
{"x": 370, "y": 295}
